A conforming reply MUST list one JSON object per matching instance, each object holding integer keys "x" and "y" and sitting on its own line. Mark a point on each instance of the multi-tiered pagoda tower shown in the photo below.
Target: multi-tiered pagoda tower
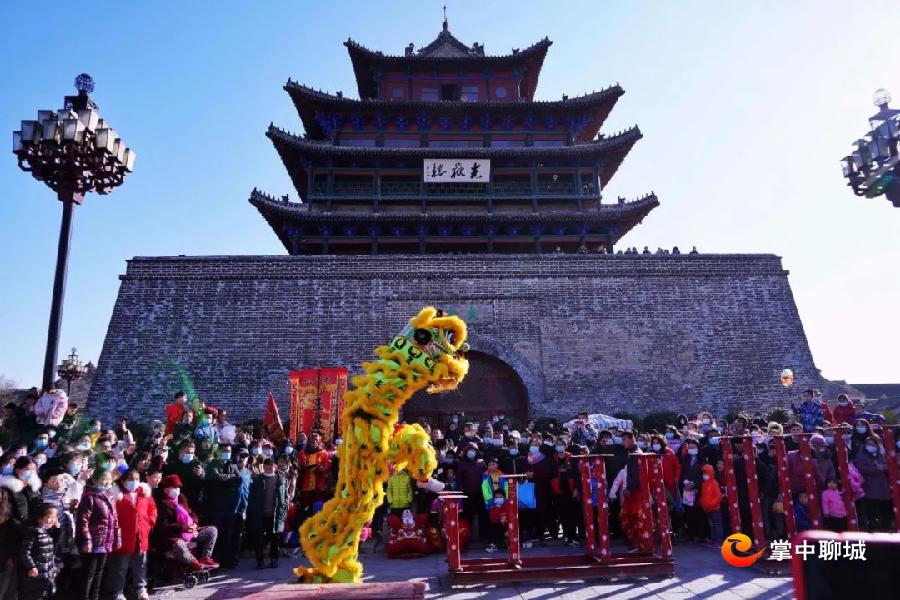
{"x": 447, "y": 184}
{"x": 446, "y": 150}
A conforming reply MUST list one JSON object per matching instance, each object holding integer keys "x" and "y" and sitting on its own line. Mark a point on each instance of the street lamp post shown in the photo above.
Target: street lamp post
{"x": 71, "y": 369}
{"x": 73, "y": 151}
{"x": 873, "y": 168}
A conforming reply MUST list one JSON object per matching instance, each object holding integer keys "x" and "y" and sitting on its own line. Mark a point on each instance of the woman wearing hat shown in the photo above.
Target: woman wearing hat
{"x": 176, "y": 525}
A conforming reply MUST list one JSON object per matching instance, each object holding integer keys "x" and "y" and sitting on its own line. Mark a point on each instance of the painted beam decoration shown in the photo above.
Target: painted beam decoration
{"x": 456, "y": 170}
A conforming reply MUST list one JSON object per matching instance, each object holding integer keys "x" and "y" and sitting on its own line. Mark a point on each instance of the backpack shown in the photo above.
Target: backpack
{"x": 856, "y": 482}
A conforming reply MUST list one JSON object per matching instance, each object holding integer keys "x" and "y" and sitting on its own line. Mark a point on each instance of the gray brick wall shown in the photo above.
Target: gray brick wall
{"x": 604, "y": 333}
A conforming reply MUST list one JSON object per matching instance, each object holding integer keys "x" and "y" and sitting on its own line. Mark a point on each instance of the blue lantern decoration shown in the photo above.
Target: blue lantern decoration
{"x": 324, "y": 230}
{"x": 490, "y": 230}
{"x": 357, "y": 122}
{"x": 537, "y": 229}
{"x": 486, "y": 122}
{"x": 549, "y": 122}
{"x": 513, "y": 230}
{"x": 374, "y": 229}
{"x": 559, "y": 229}
{"x": 349, "y": 230}
{"x": 422, "y": 121}
{"x": 379, "y": 120}
{"x": 583, "y": 229}
{"x": 468, "y": 230}
{"x": 397, "y": 230}
{"x": 444, "y": 123}
{"x": 506, "y": 123}
{"x": 401, "y": 122}
{"x": 465, "y": 123}
{"x": 528, "y": 122}
{"x": 422, "y": 229}
{"x": 444, "y": 230}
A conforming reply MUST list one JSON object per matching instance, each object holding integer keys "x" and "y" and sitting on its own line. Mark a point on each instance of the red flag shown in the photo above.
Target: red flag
{"x": 272, "y": 421}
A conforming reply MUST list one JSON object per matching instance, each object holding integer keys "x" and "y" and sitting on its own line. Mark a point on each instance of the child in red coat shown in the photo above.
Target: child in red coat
{"x": 136, "y": 512}
{"x": 711, "y": 501}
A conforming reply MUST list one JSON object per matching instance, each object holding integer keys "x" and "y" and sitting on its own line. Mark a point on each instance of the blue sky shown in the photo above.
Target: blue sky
{"x": 746, "y": 109}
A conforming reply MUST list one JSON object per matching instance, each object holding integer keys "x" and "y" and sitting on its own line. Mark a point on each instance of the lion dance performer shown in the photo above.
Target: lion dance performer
{"x": 429, "y": 353}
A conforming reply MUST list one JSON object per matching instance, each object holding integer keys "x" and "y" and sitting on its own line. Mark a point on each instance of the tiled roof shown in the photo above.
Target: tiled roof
{"x": 308, "y": 100}
{"x": 296, "y": 152}
{"x": 281, "y": 212}
{"x": 363, "y": 59}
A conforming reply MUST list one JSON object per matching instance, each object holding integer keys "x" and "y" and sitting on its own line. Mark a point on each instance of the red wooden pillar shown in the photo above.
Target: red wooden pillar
{"x": 658, "y": 485}
{"x": 784, "y": 484}
{"x": 890, "y": 450}
{"x": 809, "y": 480}
{"x": 451, "y": 526}
{"x": 602, "y": 511}
{"x": 587, "y": 506}
{"x": 843, "y": 464}
{"x": 512, "y": 525}
{"x": 759, "y": 536}
{"x": 731, "y": 493}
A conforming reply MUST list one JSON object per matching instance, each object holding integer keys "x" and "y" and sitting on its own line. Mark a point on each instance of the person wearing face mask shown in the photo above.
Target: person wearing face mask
{"x": 494, "y": 490}
{"x": 861, "y": 432}
{"x": 512, "y": 461}
{"x": 470, "y": 434}
{"x": 544, "y": 470}
{"x": 189, "y": 471}
{"x": 468, "y": 472}
{"x": 314, "y": 466}
{"x": 177, "y": 525}
{"x": 223, "y": 493}
{"x": 39, "y": 556}
{"x": 875, "y": 507}
{"x": 97, "y": 533}
{"x": 696, "y": 527}
{"x": 710, "y": 448}
{"x": 673, "y": 438}
{"x": 844, "y": 412}
{"x": 266, "y": 510}
{"x": 136, "y": 513}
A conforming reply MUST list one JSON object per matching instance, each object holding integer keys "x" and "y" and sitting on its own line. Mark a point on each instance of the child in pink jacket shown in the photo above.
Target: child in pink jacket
{"x": 833, "y": 508}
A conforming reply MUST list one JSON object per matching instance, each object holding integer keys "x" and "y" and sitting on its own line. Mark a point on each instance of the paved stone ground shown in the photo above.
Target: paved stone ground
{"x": 699, "y": 573}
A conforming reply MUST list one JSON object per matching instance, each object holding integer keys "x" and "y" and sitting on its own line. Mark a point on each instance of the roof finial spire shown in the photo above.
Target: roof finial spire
{"x": 445, "y": 17}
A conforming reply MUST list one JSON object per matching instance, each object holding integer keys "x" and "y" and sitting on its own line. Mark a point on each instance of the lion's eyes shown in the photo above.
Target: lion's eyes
{"x": 422, "y": 336}
{"x": 450, "y": 336}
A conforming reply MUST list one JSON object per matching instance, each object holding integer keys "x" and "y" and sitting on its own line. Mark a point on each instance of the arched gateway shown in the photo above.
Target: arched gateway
{"x": 491, "y": 387}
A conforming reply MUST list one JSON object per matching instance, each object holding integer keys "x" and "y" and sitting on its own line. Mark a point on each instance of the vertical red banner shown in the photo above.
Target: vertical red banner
{"x": 599, "y": 468}
{"x": 890, "y": 449}
{"x": 843, "y": 463}
{"x": 759, "y": 536}
{"x": 731, "y": 493}
{"x": 662, "y": 508}
{"x": 317, "y": 397}
{"x": 587, "y": 506}
{"x": 815, "y": 514}
{"x": 784, "y": 484}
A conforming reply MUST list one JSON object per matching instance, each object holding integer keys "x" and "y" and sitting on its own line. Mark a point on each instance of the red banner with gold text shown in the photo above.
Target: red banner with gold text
{"x": 317, "y": 397}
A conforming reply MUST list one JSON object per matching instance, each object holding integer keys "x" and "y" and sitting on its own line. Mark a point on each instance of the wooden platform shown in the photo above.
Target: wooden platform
{"x": 335, "y": 591}
{"x": 554, "y": 568}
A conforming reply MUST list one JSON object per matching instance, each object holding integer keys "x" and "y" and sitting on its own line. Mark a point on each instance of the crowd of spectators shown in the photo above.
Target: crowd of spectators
{"x": 85, "y": 508}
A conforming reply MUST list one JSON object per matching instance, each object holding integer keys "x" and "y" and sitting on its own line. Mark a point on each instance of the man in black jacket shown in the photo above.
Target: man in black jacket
{"x": 223, "y": 495}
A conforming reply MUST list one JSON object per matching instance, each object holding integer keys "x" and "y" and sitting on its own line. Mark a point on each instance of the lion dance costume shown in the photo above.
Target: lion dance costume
{"x": 429, "y": 353}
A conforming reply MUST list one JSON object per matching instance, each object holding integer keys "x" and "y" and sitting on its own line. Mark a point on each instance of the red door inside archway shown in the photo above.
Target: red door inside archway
{"x": 490, "y": 387}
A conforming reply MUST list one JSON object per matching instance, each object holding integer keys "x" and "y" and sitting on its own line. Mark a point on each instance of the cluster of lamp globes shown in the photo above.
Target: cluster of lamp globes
{"x": 72, "y": 367}
{"x": 73, "y": 149}
{"x": 875, "y": 155}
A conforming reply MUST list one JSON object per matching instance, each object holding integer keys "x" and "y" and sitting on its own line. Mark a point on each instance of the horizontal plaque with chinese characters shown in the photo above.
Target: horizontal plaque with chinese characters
{"x": 457, "y": 170}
